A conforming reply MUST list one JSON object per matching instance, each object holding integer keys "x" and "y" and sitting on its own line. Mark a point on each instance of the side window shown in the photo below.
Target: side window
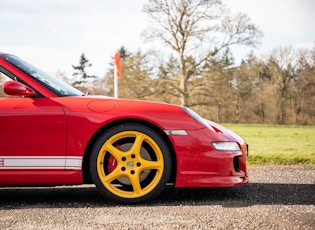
{"x": 3, "y": 79}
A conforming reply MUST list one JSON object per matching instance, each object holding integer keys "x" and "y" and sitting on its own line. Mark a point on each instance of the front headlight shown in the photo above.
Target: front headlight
{"x": 226, "y": 146}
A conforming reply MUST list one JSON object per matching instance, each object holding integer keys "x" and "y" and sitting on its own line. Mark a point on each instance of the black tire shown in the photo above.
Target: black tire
{"x": 130, "y": 164}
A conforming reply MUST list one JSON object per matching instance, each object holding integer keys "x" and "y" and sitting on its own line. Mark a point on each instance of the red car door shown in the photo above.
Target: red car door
{"x": 32, "y": 134}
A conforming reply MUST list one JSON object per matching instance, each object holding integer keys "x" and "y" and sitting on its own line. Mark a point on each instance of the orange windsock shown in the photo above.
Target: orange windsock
{"x": 117, "y": 64}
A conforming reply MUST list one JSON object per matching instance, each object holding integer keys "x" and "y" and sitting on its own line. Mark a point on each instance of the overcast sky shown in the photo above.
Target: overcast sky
{"x": 52, "y": 34}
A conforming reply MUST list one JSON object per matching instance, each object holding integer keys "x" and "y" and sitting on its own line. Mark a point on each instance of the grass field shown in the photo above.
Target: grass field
{"x": 278, "y": 144}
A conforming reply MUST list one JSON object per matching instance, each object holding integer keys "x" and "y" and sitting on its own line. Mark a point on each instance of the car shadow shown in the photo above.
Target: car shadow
{"x": 88, "y": 196}
{"x": 248, "y": 195}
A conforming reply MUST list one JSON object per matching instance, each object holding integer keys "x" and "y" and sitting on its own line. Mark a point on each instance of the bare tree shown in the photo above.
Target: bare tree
{"x": 305, "y": 88}
{"x": 283, "y": 69}
{"x": 200, "y": 29}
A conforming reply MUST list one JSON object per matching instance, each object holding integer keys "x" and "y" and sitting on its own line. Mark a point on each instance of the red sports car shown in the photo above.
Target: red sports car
{"x": 53, "y": 134}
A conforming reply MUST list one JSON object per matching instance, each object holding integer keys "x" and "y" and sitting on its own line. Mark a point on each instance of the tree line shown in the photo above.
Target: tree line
{"x": 197, "y": 68}
{"x": 278, "y": 88}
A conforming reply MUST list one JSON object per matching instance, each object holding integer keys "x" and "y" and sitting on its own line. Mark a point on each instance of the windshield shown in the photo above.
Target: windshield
{"x": 57, "y": 86}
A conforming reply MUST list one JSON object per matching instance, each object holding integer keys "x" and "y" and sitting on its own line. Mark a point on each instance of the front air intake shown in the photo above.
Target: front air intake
{"x": 236, "y": 164}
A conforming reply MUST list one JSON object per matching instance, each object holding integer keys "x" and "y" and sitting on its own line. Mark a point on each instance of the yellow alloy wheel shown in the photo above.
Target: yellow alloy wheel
{"x": 130, "y": 164}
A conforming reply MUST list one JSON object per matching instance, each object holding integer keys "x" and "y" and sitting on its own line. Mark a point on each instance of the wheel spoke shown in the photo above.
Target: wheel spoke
{"x": 137, "y": 144}
{"x": 113, "y": 175}
{"x": 135, "y": 182}
{"x": 113, "y": 150}
{"x": 145, "y": 164}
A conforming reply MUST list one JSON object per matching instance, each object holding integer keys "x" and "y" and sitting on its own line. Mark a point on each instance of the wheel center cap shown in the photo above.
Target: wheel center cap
{"x": 130, "y": 164}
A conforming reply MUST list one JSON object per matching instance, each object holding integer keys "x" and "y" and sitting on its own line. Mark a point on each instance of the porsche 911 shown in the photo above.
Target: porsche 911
{"x": 53, "y": 134}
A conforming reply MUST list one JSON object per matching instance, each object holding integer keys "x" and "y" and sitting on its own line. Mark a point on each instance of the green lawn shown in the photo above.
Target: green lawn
{"x": 278, "y": 144}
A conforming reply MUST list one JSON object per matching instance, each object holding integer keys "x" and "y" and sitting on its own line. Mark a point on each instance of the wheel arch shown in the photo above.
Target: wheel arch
{"x": 85, "y": 167}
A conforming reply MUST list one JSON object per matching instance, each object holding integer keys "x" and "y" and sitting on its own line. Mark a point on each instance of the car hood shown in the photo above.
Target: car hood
{"x": 107, "y": 109}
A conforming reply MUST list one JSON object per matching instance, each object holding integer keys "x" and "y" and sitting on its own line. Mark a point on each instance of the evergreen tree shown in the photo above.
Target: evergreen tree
{"x": 80, "y": 71}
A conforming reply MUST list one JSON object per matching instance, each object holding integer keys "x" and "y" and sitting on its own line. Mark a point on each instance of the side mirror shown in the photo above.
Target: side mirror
{"x": 14, "y": 88}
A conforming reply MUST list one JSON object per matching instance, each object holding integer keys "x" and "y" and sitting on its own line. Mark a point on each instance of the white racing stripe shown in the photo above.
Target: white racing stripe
{"x": 40, "y": 162}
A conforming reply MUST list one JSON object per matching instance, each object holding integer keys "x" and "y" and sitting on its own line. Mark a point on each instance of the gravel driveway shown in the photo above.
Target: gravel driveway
{"x": 277, "y": 197}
